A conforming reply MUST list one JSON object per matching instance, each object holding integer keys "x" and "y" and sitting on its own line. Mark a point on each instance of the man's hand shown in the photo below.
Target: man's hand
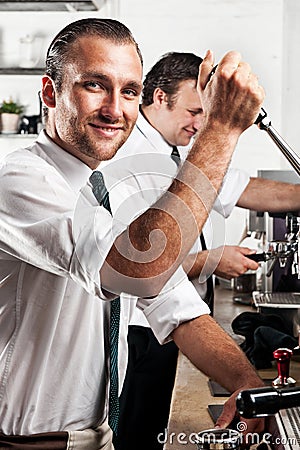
{"x": 244, "y": 426}
{"x": 226, "y": 262}
{"x": 232, "y": 96}
{"x": 216, "y": 354}
{"x": 234, "y": 262}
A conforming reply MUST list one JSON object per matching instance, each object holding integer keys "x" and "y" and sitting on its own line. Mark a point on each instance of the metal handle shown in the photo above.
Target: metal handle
{"x": 258, "y": 257}
{"x": 286, "y": 150}
{"x": 289, "y": 154}
{"x": 260, "y": 402}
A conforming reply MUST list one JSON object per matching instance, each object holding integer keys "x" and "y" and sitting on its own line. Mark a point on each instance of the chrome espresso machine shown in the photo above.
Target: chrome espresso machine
{"x": 277, "y": 235}
{"x": 280, "y": 237}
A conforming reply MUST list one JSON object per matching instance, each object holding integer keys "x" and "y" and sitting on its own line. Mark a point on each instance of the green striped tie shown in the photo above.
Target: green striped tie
{"x": 102, "y": 195}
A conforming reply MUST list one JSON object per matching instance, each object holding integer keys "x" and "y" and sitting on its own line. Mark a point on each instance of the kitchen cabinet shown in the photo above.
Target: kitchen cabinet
{"x": 21, "y": 71}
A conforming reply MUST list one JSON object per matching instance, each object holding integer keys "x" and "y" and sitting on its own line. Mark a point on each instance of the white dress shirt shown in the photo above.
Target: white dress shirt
{"x": 145, "y": 159}
{"x": 54, "y": 238}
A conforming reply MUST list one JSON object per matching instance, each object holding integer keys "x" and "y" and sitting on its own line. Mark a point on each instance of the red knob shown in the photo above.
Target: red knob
{"x": 283, "y": 357}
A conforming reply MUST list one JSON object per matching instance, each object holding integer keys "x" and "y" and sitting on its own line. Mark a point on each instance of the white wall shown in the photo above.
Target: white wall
{"x": 291, "y": 69}
{"x": 264, "y": 31}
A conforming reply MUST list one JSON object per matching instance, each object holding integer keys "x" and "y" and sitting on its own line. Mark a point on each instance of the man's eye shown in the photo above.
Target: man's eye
{"x": 93, "y": 84}
{"x": 130, "y": 93}
{"x": 195, "y": 113}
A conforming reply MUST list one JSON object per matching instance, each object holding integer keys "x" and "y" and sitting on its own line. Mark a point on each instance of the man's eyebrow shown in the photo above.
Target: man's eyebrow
{"x": 98, "y": 75}
{"x": 101, "y": 77}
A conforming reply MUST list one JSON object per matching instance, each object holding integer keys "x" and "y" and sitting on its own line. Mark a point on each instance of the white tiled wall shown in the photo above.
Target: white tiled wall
{"x": 266, "y": 32}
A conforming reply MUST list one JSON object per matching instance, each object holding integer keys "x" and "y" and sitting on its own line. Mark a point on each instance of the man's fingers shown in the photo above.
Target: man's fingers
{"x": 229, "y": 63}
{"x": 227, "y": 415}
{"x": 205, "y": 69}
{"x": 246, "y": 250}
{"x": 232, "y": 96}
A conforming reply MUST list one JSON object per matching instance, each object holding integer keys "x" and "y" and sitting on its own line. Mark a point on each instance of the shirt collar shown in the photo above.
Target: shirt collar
{"x": 157, "y": 141}
{"x": 75, "y": 171}
{"x": 153, "y": 136}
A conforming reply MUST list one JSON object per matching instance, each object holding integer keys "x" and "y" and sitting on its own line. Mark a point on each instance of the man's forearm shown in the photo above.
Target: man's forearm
{"x": 269, "y": 195}
{"x": 215, "y": 353}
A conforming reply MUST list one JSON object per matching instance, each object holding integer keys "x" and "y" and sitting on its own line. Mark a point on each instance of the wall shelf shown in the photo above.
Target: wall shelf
{"x": 17, "y": 136}
{"x": 21, "y": 71}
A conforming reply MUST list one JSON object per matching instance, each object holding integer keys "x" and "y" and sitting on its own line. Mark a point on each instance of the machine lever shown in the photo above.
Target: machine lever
{"x": 286, "y": 150}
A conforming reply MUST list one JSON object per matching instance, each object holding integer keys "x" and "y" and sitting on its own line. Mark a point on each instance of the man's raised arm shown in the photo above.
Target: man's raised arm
{"x": 145, "y": 256}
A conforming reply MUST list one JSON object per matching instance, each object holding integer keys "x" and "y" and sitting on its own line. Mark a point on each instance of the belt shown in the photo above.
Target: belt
{"x": 41, "y": 441}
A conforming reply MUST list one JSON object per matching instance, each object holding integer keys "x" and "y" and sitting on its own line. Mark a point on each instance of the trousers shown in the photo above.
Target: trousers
{"x": 147, "y": 391}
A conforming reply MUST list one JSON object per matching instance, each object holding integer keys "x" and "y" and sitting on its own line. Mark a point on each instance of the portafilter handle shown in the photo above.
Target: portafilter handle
{"x": 266, "y": 401}
{"x": 289, "y": 154}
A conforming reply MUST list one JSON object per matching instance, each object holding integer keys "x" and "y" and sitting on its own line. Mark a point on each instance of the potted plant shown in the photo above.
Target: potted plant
{"x": 10, "y": 112}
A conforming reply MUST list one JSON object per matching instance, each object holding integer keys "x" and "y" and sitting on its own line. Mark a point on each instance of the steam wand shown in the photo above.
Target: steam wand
{"x": 289, "y": 154}
{"x": 266, "y": 125}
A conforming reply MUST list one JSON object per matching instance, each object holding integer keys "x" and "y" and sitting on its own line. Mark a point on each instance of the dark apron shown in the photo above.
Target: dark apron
{"x": 41, "y": 441}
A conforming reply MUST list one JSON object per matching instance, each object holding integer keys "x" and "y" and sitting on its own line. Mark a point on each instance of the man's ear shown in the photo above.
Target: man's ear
{"x": 159, "y": 98}
{"x": 48, "y": 92}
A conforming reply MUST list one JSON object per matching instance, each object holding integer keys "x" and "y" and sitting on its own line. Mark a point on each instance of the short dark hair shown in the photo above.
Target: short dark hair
{"x": 167, "y": 74}
{"x": 109, "y": 29}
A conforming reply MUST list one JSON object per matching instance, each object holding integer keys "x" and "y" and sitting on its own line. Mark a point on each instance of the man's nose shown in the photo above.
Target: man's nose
{"x": 111, "y": 108}
{"x": 197, "y": 121}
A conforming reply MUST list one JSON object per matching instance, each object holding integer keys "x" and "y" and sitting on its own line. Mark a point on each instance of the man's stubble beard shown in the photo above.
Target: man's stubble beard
{"x": 99, "y": 150}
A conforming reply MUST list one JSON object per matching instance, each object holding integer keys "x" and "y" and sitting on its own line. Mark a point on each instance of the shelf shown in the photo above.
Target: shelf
{"x": 17, "y": 136}
{"x": 21, "y": 71}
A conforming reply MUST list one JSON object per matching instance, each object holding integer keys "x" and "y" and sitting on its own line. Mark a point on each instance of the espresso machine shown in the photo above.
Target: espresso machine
{"x": 279, "y": 250}
{"x": 283, "y": 250}
{"x": 277, "y": 235}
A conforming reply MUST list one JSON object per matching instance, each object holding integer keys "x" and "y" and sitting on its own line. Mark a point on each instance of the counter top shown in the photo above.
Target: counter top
{"x": 191, "y": 394}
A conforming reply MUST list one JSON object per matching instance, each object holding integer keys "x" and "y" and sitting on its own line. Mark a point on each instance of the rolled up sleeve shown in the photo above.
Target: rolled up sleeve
{"x": 177, "y": 303}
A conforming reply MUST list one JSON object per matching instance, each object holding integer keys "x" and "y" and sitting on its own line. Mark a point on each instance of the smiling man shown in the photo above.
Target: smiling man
{"x": 101, "y": 106}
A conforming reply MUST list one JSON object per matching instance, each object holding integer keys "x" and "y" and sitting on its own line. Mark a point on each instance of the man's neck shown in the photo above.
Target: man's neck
{"x": 150, "y": 115}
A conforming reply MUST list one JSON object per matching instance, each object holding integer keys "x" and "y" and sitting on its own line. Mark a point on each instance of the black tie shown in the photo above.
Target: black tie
{"x": 209, "y": 296}
{"x": 102, "y": 195}
{"x": 175, "y": 155}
